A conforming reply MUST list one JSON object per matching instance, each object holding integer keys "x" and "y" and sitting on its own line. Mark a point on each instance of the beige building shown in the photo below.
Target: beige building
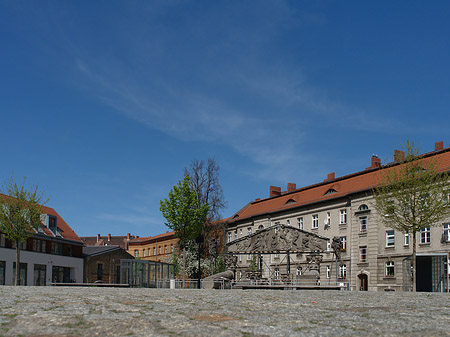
{"x": 154, "y": 248}
{"x": 373, "y": 257}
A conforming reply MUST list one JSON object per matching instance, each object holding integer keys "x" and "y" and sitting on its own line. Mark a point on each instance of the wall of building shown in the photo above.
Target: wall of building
{"x": 33, "y": 258}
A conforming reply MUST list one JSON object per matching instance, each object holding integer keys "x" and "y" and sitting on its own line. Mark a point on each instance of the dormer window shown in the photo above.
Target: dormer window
{"x": 52, "y": 225}
{"x": 236, "y": 216}
{"x": 331, "y": 191}
{"x": 290, "y": 201}
{"x": 363, "y": 207}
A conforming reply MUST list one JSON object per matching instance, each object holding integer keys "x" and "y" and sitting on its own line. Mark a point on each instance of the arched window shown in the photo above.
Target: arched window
{"x": 363, "y": 207}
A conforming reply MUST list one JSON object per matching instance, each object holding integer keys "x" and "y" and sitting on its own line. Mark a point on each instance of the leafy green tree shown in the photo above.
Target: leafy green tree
{"x": 184, "y": 214}
{"x": 412, "y": 196}
{"x": 219, "y": 265}
{"x": 20, "y": 211}
{"x": 253, "y": 263}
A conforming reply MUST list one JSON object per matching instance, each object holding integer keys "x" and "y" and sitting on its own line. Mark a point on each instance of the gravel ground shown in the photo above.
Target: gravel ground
{"x": 71, "y": 311}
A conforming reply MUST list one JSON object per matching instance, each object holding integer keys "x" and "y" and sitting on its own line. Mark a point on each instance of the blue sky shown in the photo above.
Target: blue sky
{"x": 103, "y": 103}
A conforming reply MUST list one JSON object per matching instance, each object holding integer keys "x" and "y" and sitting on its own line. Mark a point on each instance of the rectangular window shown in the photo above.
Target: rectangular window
{"x": 342, "y": 216}
{"x": 363, "y": 254}
{"x": 240, "y": 257}
{"x": 288, "y": 222}
{"x": 154, "y": 250}
{"x": 390, "y": 268}
{"x": 136, "y": 253}
{"x": 229, "y": 236}
{"x": 299, "y": 271}
{"x": 446, "y": 232}
{"x": 277, "y": 273}
{"x": 276, "y": 255}
{"x": 165, "y": 249}
{"x": 99, "y": 271}
{"x": 56, "y": 248}
{"x": 39, "y": 245}
{"x": 240, "y": 232}
{"x": 328, "y": 218}
{"x": 171, "y": 248}
{"x": 425, "y": 236}
{"x": 22, "y": 274}
{"x": 315, "y": 221}
{"x": 406, "y": 240}
{"x": 344, "y": 243}
{"x": 60, "y": 274}
{"x": 235, "y": 234}
{"x": 39, "y": 274}
{"x": 277, "y": 225}
{"x": 342, "y": 271}
{"x": 2, "y": 273}
{"x": 300, "y": 223}
{"x": 363, "y": 223}
{"x": 328, "y": 245}
{"x": 249, "y": 256}
{"x": 149, "y": 252}
{"x": 328, "y": 272}
{"x": 159, "y": 250}
{"x": 390, "y": 238}
{"x": 143, "y": 252}
{"x": 249, "y": 231}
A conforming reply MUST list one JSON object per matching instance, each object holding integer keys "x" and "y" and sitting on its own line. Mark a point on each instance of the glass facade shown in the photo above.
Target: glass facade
{"x": 145, "y": 274}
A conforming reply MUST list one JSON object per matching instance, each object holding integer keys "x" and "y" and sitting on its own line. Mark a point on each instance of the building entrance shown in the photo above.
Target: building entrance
{"x": 363, "y": 282}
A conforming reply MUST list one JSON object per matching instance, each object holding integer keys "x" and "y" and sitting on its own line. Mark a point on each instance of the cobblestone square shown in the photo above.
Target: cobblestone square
{"x": 71, "y": 311}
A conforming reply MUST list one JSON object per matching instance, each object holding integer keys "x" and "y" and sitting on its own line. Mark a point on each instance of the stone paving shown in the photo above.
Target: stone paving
{"x": 71, "y": 311}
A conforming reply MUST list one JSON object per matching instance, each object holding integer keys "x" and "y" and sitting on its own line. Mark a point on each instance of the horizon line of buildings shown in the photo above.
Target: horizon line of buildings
{"x": 373, "y": 256}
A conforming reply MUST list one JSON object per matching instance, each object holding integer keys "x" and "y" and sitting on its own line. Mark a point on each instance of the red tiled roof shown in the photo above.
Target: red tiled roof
{"x": 65, "y": 230}
{"x": 360, "y": 181}
{"x": 148, "y": 239}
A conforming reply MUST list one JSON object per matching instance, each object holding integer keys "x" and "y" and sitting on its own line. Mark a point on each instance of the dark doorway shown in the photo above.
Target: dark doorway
{"x": 431, "y": 273}
{"x": 363, "y": 282}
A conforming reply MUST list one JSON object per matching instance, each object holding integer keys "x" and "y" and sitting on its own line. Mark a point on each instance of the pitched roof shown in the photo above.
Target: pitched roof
{"x": 103, "y": 240}
{"x": 339, "y": 187}
{"x": 98, "y": 250}
{"x": 63, "y": 228}
{"x": 165, "y": 236}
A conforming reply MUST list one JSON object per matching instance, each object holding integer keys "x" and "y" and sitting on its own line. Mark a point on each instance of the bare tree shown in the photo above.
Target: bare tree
{"x": 205, "y": 183}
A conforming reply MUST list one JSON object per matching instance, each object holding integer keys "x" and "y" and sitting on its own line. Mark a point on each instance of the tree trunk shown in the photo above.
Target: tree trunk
{"x": 17, "y": 281}
{"x": 414, "y": 261}
{"x": 184, "y": 266}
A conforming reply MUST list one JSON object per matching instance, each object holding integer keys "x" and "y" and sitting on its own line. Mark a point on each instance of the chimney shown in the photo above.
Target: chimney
{"x": 291, "y": 187}
{"x": 330, "y": 176}
{"x": 128, "y": 236}
{"x": 98, "y": 237}
{"x": 439, "y": 146}
{"x": 375, "y": 162}
{"x": 399, "y": 156}
{"x": 109, "y": 237}
{"x": 275, "y": 191}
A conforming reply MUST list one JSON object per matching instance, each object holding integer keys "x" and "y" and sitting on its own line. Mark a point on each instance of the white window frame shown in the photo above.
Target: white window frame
{"x": 249, "y": 231}
{"x": 406, "y": 239}
{"x": 344, "y": 243}
{"x": 229, "y": 237}
{"x": 328, "y": 218}
{"x": 276, "y": 256}
{"x": 363, "y": 224}
{"x": 328, "y": 272}
{"x": 300, "y": 222}
{"x": 342, "y": 216}
{"x": 390, "y": 265}
{"x": 390, "y": 238}
{"x": 276, "y": 273}
{"x": 315, "y": 221}
{"x": 240, "y": 232}
{"x": 343, "y": 271}
{"x": 235, "y": 234}
{"x": 446, "y": 232}
{"x": 425, "y": 235}
{"x": 136, "y": 253}
{"x": 299, "y": 271}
